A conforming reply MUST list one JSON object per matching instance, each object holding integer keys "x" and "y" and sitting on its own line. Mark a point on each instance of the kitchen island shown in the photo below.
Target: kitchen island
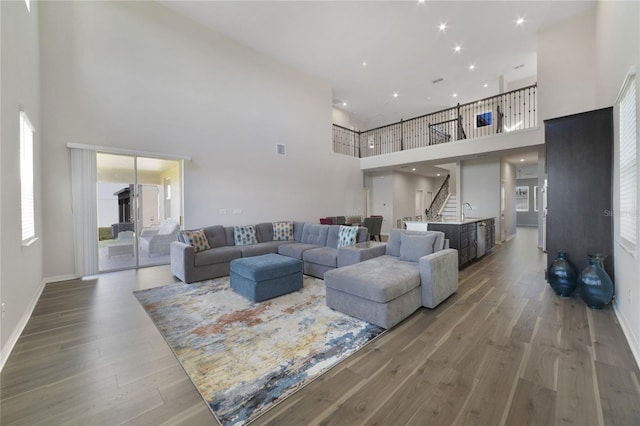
{"x": 472, "y": 237}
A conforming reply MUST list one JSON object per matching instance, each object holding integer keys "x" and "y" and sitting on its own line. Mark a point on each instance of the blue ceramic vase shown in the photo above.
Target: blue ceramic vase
{"x": 596, "y": 287}
{"x": 562, "y": 276}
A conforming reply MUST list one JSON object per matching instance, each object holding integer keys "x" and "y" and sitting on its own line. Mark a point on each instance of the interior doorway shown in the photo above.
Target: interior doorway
{"x": 139, "y": 210}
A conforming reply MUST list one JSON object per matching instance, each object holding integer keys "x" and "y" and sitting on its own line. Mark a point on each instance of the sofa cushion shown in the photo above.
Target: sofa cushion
{"x": 380, "y": 279}
{"x": 259, "y": 249}
{"x": 295, "y": 250}
{"x": 394, "y": 242}
{"x": 347, "y": 235}
{"x": 244, "y": 235}
{"x": 215, "y": 236}
{"x": 197, "y": 239}
{"x": 413, "y": 247}
{"x": 264, "y": 232}
{"x": 333, "y": 236}
{"x": 217, "y": 255}
{"x": 282, "y": 231}
{"x": 326, "y": 256}
{"x": 314, "y": 233}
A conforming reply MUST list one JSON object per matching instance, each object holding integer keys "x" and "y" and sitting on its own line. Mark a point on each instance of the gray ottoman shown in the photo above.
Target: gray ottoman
{"x": 260, "y": 278}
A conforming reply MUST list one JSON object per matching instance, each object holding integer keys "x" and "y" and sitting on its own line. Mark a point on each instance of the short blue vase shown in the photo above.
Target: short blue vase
{"x": 562, "y": 276}
{"x": 596, "y": 287}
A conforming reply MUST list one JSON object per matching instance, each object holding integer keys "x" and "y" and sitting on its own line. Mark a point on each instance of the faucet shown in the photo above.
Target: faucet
{"x": 463, "y": 206}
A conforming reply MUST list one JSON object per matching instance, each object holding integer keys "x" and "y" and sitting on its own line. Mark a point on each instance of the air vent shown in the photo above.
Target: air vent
{"x": 437, "y": 80}
{"x": 280, "y": 149}
{"x": 518, "y": 66}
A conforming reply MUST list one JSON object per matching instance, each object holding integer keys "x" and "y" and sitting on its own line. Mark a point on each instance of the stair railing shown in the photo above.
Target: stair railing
{"x": 438, "y": 201}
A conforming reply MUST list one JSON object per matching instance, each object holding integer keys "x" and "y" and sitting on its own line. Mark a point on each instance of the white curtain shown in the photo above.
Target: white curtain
{"x": 85, "y": 217}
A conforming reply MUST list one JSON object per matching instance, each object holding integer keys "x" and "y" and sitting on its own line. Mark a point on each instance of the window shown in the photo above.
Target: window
{"x": 26, "y": 180}
{"x": 522, "y": 198}
{"x": 628, "y": 210}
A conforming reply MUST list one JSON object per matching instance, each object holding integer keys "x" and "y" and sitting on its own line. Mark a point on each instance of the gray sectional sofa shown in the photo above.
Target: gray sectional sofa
{"x": 413, "y": 269}
{"x": 316, "y": 245}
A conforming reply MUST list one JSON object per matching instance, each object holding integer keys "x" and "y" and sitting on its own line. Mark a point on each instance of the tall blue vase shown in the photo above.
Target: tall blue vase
{"x": 562, "y": 276}
{"x": 596, "y": 287}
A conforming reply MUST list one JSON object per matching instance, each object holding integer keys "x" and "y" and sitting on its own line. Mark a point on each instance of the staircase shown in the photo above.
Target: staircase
{"x": 449, "y": 212}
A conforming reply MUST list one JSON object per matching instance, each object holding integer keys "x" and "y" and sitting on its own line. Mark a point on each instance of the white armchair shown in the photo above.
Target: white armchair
{"x": 158, "y": 241}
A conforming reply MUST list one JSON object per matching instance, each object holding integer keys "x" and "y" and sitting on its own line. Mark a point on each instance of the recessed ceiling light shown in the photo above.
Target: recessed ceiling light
{"x": 364, "y": 63}
{"x": 414, "y": 169}
{"x": 442, "y": 26}
{"x": 395, "y": 94}
{"x": 457, "y": 48}
{"x": 522, "y": 160}
{"x": 420, "y": 1}
{"x": 485, "y": 85}
{"x": 455, "y": 95}
{"x": 438, "y": 174}
{"x": 472, "y": 67}
{"x": 520, "y": 21}
{"x": 344, "y": 104}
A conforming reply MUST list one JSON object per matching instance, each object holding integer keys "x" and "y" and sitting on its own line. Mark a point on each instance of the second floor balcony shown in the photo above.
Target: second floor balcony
{"x": 504, "y": 113}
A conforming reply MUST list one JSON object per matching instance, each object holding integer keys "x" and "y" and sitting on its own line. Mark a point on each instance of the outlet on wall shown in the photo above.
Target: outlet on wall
{"x": 3, "y": 309}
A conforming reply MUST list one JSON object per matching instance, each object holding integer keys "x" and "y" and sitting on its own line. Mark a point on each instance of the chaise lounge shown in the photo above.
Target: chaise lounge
{"x": 412, "y": 270}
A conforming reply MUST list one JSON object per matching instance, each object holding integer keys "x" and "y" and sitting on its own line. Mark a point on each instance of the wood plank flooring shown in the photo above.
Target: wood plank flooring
{"x": 504, "y": 350}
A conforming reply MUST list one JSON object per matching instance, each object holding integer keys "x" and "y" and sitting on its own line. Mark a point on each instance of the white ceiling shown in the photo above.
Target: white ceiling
{"x": 400, "y": 41}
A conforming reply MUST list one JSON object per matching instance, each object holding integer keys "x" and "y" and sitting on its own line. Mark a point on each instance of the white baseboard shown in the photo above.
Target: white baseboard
{"x": 13, "y": 339}
{"x": 633, "y": 343}
{"x": 8, "y": 348}
{"x": 58, "y": 278}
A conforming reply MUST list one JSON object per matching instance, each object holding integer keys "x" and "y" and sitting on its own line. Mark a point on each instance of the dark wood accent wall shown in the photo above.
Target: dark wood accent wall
{"x": 579, "y": 161}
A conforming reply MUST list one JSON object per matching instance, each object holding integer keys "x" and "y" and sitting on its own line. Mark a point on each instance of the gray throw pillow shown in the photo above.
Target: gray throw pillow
{"x": 413, "y": 247}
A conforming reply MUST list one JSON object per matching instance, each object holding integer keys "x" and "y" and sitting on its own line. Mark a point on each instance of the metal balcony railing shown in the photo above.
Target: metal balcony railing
{"x": 506, "y": 112}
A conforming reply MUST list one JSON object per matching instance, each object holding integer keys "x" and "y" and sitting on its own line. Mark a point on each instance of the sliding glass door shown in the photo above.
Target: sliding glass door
{"x": 139, "y": 210}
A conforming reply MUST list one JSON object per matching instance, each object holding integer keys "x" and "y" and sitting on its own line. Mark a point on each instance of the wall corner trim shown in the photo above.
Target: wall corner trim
{"x": 633, "y": 344}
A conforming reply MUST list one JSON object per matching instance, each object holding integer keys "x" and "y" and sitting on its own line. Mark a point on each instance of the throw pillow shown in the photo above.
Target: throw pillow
{"x": 413, "y": 247}
{"x": 197, "y": 239}
{"x": 347, "y": 235}
{"x": 283, "y": 231}
{"x": 245, "y": 235}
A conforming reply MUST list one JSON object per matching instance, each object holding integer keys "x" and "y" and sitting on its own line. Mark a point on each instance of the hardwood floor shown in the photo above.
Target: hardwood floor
{"x": 504, "y": 350}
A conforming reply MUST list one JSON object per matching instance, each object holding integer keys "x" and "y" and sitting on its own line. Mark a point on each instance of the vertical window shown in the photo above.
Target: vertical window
{"x": 26, "y": 180}
{"x": 628, "y": 211}
{"x": 522, "y": 198}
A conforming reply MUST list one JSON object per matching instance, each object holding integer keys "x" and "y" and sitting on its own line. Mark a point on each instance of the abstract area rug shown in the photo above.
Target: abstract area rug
{"x": 246, "y": 357}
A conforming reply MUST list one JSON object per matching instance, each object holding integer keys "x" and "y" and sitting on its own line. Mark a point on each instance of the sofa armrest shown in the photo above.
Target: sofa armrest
{"x": 147, "y": 233}
{"x": 182, "y": 260}
{"x": 357, "y": 253}
{"x": 438, "y": 276}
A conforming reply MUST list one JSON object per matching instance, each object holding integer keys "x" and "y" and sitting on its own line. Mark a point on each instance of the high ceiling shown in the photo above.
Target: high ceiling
{"x": 401, "y": 43}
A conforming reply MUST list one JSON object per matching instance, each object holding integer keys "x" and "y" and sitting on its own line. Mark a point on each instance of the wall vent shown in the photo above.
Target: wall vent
{"x": 280, "y": 149}
{"x": 518, "y": 66}
{"x": 438, "y": 80}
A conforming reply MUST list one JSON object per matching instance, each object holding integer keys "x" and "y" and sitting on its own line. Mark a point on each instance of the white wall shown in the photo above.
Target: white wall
{"x": 405, "y": 186}
{"x": 508, "y": 216}
{"x": 480, "y": 186}
{"x": 344, "y": 119}
{"x": 21, "y": 269}
{"x": 380, "y": 187}
{"x": 617, "y": 50}
{"x": 567, "y": 67}
{"x": 542, "y": 175}
{"x": 135, "y": 75}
